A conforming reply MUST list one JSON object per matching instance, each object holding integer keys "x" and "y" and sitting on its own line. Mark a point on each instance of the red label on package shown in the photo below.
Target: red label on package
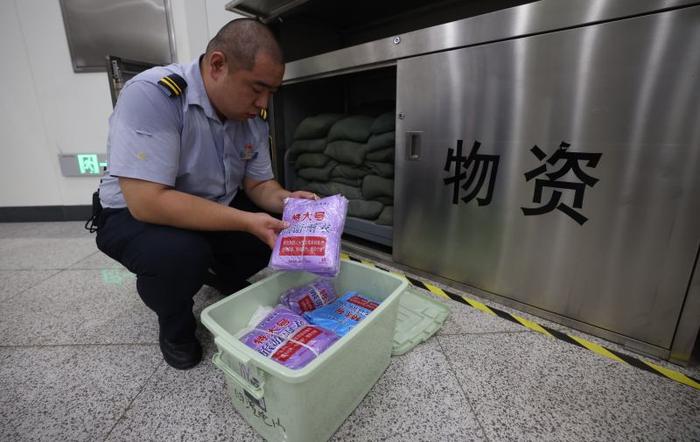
{"x": 306, "y": 304}
{"x": 286, "y": 351}
{"x": 295, "y": 343}
{"x": 364, "y": 303}
{"x": 306, "y": 334}
{"x": 303, "y": 246}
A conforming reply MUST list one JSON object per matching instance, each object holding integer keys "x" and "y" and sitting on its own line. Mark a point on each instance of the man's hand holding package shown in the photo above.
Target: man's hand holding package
{"x": 265, "y": 227}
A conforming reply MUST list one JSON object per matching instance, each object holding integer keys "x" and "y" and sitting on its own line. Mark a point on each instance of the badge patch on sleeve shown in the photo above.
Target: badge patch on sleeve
{"x": 248, "y": 153}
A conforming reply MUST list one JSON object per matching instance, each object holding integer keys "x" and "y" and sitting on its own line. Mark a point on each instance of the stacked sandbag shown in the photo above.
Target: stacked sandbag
{"x": 357, "y": 147}
{"x": 378, "y": 184}
{"x": 347, "y": 144}
{"x": 306, "y": 152}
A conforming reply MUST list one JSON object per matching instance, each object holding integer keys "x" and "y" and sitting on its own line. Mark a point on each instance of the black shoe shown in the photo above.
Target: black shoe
{"x": 181, "y": 355}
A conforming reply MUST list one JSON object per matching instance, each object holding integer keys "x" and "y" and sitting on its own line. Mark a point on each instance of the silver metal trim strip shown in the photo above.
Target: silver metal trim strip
{"x": 532, "y": 18}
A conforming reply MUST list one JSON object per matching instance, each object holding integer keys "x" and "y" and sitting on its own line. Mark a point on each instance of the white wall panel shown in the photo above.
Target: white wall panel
{"x": 74, "y": 107}
{"x": 190, "y": 23}
{"x": 217, "y": 16}
{"x": 27, "y": 172}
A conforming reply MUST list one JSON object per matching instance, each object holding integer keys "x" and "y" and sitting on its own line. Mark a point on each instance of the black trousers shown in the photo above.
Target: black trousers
{"x": 172, "y": 264}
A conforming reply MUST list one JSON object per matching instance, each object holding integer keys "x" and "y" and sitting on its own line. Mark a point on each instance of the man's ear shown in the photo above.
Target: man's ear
{"x": 217, "y": 64}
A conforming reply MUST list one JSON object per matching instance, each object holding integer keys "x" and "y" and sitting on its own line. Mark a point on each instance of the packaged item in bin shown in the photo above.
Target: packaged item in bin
{"x": 343, "y": 314}
{"x": 287, "y": 338}
{"x": 258, "y": 315}
{"x": 312, "y": 241}
{"x": 309, "y": 297}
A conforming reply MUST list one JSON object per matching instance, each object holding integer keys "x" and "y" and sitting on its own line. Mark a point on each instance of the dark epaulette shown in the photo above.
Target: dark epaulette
{"x": 173, "y": 84}
{"x": 263, "y": 114}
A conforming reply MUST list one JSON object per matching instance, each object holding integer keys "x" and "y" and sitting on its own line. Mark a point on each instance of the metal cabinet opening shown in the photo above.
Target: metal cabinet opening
{"x": 336, "y": 135}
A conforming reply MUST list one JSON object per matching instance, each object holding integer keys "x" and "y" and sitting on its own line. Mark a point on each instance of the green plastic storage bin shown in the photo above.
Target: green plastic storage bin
{"x": 310, "y": 404}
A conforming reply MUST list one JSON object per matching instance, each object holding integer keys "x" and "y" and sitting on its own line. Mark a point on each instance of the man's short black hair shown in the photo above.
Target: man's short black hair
{"x": 241, "y": 40}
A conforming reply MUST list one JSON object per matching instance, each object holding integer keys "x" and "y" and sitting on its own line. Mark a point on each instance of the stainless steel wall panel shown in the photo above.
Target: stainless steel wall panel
{"x": 133, "y": 29}
{"x": 532, "y": 18}
{"x": 626, "y": 90}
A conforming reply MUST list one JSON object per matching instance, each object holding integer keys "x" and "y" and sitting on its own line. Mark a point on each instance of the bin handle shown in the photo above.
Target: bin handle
{"x": 257, "y": 392}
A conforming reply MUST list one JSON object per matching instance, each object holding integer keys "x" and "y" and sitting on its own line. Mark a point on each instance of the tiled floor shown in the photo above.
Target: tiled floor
{"x": 79, "y": 360}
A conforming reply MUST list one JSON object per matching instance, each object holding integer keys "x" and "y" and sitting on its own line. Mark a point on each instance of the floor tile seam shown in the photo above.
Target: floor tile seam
{"x": 29, "y": 269}
{"x": 106, "y": 344}
{"x": 34, "y": 285}
{"x": 131, "y": 402}
{"x": 14, "y": 241}
{"x": 59, "y": 269}
{"x": 97, "y": 268}
{"x": 452, "y": 370}
{"x": 504, "y": 332}
{"x": 83, "y": 259}
{"x": 34, "y": 236}
{"x": 68, "y": 267}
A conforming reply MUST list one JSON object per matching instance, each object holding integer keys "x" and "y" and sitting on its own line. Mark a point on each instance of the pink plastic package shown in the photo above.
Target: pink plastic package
{"x": 310, "y": 296}
{"x": 311, "y": 243}
{"x": 289, "y": 339}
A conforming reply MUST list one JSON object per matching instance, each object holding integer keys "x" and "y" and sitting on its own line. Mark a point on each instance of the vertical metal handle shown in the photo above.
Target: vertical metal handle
{"x": 413, "y": 145}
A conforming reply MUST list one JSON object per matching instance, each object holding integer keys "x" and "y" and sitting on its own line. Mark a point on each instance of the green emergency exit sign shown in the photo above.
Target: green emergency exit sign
{"x": 90, "y": 164}
{"x": 83, "y": 164}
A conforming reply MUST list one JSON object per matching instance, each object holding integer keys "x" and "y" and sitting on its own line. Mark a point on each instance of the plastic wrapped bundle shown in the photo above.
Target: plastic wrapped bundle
{"x": 312, "y": 241}
{"x": 309, "y": 297}
{"x": 288, "y": 338}
{"x": 342, "y": 315}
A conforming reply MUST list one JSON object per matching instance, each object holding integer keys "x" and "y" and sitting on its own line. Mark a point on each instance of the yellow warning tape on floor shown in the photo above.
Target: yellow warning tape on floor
{"x": 575, "y": 340}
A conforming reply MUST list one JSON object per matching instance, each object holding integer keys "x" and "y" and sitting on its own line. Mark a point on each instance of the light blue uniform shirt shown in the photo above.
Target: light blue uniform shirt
{"x": 180, "y": 141}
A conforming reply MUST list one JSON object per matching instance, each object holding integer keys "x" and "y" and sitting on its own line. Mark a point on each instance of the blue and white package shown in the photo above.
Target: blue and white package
{"x": 343, "y": 314}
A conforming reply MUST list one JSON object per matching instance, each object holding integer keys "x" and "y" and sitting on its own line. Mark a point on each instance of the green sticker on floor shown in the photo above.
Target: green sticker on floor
{"x": 577, "y": 341}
